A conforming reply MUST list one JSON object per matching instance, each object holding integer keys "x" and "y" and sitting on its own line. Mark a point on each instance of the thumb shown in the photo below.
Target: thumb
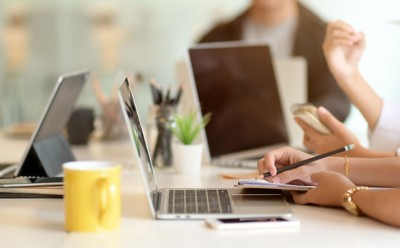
{"x": 316, "y": 177}
{"x": 328, "y": 119}
{"x": 300, "y": 197}
{"x": 361, "y": 40}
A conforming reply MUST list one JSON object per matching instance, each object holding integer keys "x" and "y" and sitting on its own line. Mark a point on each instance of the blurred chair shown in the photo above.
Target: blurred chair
{"x": 291, "y": 75}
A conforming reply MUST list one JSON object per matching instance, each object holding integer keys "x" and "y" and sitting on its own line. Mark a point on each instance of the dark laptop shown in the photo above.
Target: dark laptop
{"x": 235, "y": 81}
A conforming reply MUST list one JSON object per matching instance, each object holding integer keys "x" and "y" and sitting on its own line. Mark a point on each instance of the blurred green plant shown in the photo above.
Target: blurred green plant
{"x": 186, "y": 127}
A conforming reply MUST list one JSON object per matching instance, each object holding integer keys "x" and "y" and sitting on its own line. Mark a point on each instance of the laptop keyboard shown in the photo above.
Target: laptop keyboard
{"x": 201, "y": 201}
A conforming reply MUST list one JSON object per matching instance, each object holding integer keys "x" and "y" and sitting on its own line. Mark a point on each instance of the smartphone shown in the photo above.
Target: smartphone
{"x": 308, "y": 113}
{"x": 251, "y": 223}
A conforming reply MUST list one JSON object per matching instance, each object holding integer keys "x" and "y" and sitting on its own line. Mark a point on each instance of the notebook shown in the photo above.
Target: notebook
{"x": 235, "y": 81}
{"x": 194, "y": 203}
{"x": 264, "y": 184}
{"x": 48, "y": 149}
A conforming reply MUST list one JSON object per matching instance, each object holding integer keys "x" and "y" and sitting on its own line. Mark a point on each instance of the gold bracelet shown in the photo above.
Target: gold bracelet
{"x": 346, "y": 166}
{"x": 349, "y": 204}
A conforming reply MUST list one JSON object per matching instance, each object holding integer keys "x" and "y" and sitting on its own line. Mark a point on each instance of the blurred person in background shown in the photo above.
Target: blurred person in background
{"x": 290, "y": 29}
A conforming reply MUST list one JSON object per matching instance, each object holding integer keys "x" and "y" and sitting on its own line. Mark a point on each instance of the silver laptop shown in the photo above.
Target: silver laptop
{"x": 235, "y": 81}
{"x": 191, "y": 203}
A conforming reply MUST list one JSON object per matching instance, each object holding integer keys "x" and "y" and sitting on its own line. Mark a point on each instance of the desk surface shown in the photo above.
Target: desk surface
{"x": 39, "y": 222}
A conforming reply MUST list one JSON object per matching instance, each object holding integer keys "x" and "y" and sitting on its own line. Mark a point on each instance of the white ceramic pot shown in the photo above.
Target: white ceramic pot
{"x": 187, "y": 158}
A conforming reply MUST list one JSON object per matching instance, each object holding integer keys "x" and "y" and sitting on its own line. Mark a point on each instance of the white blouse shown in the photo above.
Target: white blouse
{"x": 386, "y": 135}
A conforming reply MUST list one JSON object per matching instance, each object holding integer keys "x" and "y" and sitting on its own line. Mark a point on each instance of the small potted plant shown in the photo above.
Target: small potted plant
{"x": 186, "y": 152}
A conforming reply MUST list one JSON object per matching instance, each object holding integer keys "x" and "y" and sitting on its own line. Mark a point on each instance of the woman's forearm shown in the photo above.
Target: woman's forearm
{"x": 380, "y": 172}
{"x": 363, "y": 152}
{"x": 362, "y": 96}
{"x": 382, "y": 205}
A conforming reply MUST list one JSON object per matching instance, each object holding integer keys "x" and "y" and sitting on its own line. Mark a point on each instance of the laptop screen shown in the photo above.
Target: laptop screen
{"x": 235, "y": 81}
{"x": 136, "y": 134}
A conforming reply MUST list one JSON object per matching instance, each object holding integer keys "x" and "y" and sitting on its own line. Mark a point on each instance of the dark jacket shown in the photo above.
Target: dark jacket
{"x": 322, "y": 88}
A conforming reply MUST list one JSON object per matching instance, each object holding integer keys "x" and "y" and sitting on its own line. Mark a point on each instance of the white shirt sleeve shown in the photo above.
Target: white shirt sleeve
{"x": 386, "y": 135}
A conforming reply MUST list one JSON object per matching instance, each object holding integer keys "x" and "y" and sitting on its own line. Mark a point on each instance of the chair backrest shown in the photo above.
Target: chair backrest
{"x": 291, "y": 75}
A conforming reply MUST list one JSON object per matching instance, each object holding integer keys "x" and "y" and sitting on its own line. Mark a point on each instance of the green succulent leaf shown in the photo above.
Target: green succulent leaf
{"x": 186, "y": 128}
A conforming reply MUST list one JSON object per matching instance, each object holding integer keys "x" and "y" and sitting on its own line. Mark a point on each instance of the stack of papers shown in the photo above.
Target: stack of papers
{"x": 21, "y": 185}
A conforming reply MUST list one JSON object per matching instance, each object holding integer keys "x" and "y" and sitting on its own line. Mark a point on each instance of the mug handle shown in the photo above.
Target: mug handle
{"x": 105, "y": 193}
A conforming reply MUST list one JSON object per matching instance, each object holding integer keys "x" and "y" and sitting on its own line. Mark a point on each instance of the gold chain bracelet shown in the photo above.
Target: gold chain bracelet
{"x": 346, "y": 166}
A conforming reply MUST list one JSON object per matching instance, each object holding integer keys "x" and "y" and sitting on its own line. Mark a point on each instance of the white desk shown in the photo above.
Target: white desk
{"x": 39, "y": 222}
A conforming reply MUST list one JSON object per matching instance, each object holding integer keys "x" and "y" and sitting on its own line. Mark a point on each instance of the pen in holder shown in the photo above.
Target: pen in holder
{"x": 163, "y": 143}
{"x": 166, "y": 107}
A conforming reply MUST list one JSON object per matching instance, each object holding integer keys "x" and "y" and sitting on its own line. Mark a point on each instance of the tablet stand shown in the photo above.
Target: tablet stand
{"x": 46, "y": 156}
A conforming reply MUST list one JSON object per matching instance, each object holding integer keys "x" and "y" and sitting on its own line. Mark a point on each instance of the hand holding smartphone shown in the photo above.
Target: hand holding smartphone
{"x": 251, "y": 223}
{"x": 308, "y": 113}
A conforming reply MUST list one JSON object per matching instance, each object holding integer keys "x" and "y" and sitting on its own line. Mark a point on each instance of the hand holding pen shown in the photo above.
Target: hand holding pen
{"x": 287, "y": 156}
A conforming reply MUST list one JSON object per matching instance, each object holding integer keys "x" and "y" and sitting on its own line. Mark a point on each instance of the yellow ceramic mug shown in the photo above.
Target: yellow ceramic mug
{"x": 92, "y": 196}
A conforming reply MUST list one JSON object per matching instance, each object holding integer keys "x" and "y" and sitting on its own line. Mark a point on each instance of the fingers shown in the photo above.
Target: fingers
{"x": 340, "y": 33}
{"x": 337, "y": 34}
{"x": 340, "y": 25}
{"x": 286, "y": 177}
{"x": 281, "y": 156}
{"x": 316, "y": 177}
{"x": 308, "y": 130}
{"x": 267, "y": 163}
{"x": 339, "y": 29}
{"x": 300, "y": 197}
{"x": 324, "y": 176}
{"x": 361, "y": 41}
{"x": 307, "y": 197}
{"x": 310, "y": 134}
{"x": 282, "y": 178}
{"x": 328, "y": 119}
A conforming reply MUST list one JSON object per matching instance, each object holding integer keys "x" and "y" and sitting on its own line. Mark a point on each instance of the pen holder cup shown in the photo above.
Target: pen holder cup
{"x": 162, "y": 155}
{"x": 80, "y": 126}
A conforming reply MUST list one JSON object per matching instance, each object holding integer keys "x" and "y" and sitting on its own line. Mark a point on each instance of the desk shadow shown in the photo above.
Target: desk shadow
{"x": 54, "y": 225}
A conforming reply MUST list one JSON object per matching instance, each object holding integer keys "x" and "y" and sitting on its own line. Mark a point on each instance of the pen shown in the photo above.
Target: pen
{"x": 178, "y": 95}
{"x": 155, "y": 91}
{"x": 307, "y": 161}
{"x": 167, "y": 95}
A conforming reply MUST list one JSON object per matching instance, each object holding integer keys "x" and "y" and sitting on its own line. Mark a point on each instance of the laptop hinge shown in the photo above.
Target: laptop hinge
{"x": 156, "y": 199}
